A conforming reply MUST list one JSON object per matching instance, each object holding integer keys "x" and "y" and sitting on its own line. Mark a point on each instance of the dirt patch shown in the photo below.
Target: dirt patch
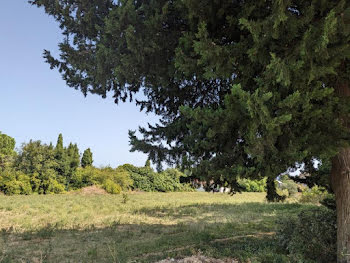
{"x": 198, "y": 259}
{"x": 93, "y": 190}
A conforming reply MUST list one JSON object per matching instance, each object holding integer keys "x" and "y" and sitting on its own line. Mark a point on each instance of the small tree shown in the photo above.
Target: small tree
{"x": 87, "y": 160}
{"x": 73, "y": 156}
{"x": 7, "y": 146}
{"x": 148, "y": 163}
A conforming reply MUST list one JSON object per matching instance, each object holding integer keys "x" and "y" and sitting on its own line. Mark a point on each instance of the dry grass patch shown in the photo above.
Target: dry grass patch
{"x": 147, "y": 228}
{"x": 93, "y": 190}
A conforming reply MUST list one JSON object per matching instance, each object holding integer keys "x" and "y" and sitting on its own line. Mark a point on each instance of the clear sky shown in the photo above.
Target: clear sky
{"x": 35, "y": 102}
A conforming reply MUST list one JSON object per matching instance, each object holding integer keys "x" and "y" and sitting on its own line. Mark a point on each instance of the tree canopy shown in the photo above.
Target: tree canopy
{"x": 265, "y": 70}
{"x": 87, "y": 160}
{"x": 248, "y": 88}
{"x": 7, "y": 149}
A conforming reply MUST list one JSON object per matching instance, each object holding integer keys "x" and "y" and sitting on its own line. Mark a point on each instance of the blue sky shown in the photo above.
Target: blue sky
{"x": 35, "y": 102}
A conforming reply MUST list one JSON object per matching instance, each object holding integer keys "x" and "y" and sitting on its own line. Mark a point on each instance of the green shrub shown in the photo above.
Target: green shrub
{"x": 83, "y": 177}
{"x": 112, "y": 180}
{"x": 12, "y": 188}
{"x": 54, "y": 187}
{"x": 14, "y": 182}
{"x": 119, "y": 177}
{"x": 289, "y": 185}
{"x": 315, "y": 195}
{"x": 329, "y": 202}
{"x": 187, "y": 188}
{"x": 249, "y": 185}
{"x": 163, "y": 183}
{"x": 311, "y": 235}
{"x": 25, "y": 184}
{"x": 111, "y": 187}
{"x": 145, "y": 179}
{"x": 142, "y": 182}
{"x": 49, "y": 183}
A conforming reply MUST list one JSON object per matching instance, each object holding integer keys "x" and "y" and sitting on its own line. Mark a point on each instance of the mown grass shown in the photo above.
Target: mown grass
{"x": 147, "y": 228}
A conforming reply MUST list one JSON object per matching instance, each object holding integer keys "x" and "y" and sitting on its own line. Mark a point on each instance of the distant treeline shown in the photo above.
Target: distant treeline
{"x": 48, "y": 169}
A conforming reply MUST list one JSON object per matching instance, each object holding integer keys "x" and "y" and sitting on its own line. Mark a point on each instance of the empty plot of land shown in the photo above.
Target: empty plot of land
{"x": 149, "y": 227}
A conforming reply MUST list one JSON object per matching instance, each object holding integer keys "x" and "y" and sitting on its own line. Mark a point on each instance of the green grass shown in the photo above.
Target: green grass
{"x": 147, "y": 228}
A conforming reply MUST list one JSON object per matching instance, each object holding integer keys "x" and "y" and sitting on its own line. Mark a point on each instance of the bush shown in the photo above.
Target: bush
{"x": 119, "y": 177}
{"x": 252, "y": 185}
{"x": 14, "y": 182}
{"x": 83, "y": 177}
{"x": 49, "y": 182}
{"x": 112, "y": 180}
{"x": 111, "y": 187}
{"x": 289, "y": 185}
{"x": 143, "y": 183}
{"x": 187, "y": 188}
{"x": 145, "y": 179}
{"x": 315, "y": 195}
{"x": 54, "y": 187}
{"x": 311, "y": 235}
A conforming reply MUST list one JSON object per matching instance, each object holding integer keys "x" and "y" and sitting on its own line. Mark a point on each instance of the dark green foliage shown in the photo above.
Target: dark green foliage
{"x": 73, "y": 156}
{"x": 309, "y": 236}
{"x": 329, "y": 202}
{"x": 39, "y": 168}
{"x": 316, "y": 175}
{"x": 87, "y": 160}
{"x": 72, "y": 161}
{"x": 35, "y": 158}
{"x": 262, "y": 74}
{"x": 61, "y": 159}
{"x": 59, "y": 150}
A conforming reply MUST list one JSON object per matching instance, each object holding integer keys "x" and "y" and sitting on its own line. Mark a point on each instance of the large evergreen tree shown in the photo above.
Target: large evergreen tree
{"x": 245, "y": 88}
{"x": 62, "y": 159}
{"x": 73, "y": 161}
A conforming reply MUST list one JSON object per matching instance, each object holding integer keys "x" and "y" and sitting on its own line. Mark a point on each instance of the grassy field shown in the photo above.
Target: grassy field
{"x": 147, "y": 228}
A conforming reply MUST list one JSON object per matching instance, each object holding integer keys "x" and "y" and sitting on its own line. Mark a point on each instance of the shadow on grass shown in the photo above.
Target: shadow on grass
{"x": 241, "y": 231}
{"x": 228, "y": 212}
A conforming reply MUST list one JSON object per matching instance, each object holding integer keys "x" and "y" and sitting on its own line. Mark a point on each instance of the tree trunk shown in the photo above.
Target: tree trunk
{"x": 340, "y": 180}
{"x": 341, "y": 186}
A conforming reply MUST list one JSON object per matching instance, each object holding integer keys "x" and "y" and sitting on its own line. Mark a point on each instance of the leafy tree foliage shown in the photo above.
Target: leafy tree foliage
{"x": 87, "y": 160}
{"x": 14, "y": 182}
{"x": 272, "y": 76}
{"x": 39, "y": 168}
{"x": 146, "y": 179}
{"x": 7, "y": 150}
